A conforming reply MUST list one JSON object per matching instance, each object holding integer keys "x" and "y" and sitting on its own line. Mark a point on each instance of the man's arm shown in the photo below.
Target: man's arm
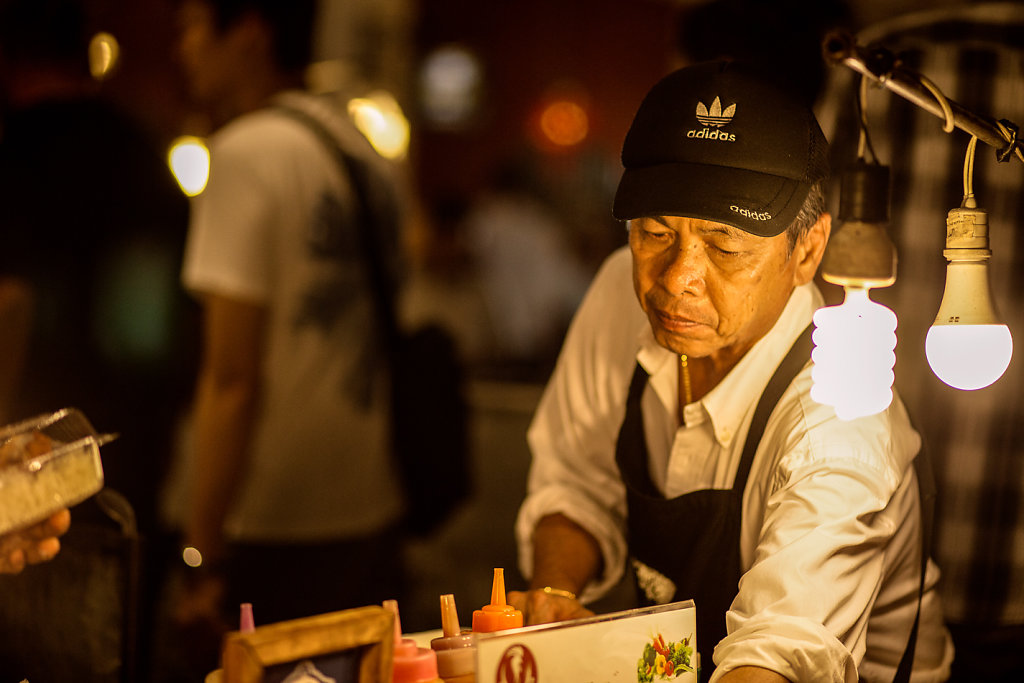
{"x": 566, "y": 557}
{"x": 752, "y": 674}
{"x": 227, "y": 396}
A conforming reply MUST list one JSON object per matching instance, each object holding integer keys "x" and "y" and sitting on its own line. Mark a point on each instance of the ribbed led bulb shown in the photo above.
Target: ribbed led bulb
{"x": 854, "y": 355}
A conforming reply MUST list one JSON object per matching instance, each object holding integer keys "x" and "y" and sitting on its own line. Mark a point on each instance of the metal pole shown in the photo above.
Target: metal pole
{"x": 882, "y": 67}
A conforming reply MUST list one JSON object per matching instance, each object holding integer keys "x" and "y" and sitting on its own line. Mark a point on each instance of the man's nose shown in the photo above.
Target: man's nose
{"x": 684, "y": 268}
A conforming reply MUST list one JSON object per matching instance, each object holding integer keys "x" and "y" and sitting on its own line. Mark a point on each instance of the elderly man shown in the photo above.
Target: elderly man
{"x": 677, "y": 435}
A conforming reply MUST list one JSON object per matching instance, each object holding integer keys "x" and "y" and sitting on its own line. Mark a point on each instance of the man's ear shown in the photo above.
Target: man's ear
{"x": 810, "y": 248}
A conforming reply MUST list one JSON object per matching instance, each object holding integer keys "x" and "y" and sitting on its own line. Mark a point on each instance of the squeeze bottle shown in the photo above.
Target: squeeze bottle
{"x": 246, "y": 624}
{"x": 411, "y": 663}
{"x": 499, "y": 615}
{"x": 456, "y": 649}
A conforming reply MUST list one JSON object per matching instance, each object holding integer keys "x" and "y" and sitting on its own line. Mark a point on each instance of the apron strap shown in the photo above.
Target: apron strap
{"x": 927, "y": 493}
{"x": 787, "y": 371}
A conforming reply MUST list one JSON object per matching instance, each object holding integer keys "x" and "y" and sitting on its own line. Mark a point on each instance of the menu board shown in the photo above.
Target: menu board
{"x": 646, "y": 645}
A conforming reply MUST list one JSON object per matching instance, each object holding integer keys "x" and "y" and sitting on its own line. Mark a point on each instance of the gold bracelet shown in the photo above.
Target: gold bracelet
{"x": 560, "y": 592}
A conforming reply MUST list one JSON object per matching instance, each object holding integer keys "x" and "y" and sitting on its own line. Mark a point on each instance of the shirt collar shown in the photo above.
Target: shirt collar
{"x": 731, "y": 400}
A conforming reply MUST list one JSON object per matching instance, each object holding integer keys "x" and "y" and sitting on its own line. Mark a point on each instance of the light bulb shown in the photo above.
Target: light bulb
{"x": 854, "y": 355}
{"x": 968, "y": 357}
{"x": 967, "y": 347}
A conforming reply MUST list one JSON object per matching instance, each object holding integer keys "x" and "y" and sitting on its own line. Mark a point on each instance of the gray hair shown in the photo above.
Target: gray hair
{"x": 810, "y": 212}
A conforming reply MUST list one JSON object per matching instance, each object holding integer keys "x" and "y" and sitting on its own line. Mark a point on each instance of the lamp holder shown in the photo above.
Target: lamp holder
{"x": 860, "y": 253}
{"x": 966, "y": 234}
{"x": 966, "y": 298}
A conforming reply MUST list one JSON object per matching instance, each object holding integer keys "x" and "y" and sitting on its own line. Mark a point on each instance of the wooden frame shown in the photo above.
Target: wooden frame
{"x": 364, "y": 637}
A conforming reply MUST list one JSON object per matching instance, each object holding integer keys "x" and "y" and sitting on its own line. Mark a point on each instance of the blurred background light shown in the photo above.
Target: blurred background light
{"x": 379, "y": 117}
{"x": 189, "y": 160}
{"x": 104, "y": 53}
{"x": 564, "y": 123}
{"x": 451, "y": 84}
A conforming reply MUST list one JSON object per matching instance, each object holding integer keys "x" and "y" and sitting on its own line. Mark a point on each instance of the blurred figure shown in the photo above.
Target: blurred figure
{"x": 444, "y": 288}
{"x": 974, "y": 53}
{"x": 529, "y": 275}
{"x": 93, "y": 227}
{"x": 507, "y": 260}
{"x": 291, "y": 500}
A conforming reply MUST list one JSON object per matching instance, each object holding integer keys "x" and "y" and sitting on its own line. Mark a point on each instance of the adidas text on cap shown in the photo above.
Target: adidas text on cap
{"x": 721, "y": 142}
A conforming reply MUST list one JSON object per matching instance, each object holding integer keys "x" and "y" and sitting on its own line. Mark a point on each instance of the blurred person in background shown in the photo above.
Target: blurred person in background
{"x": 288, "y": 491}
{"x": 93, "y": 226}
{"x": 507, "y": 259}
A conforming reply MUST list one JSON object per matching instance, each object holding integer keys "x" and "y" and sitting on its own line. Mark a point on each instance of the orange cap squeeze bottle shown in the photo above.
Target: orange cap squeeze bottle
{"x": 411, "y": 663}
{"x": 498, "y": 615}
{"x": 456, "y": 649}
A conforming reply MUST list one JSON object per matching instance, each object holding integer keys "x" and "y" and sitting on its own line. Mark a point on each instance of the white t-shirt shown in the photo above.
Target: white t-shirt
{"x": 830, "y": 538}
{"x": 275, "y": 227}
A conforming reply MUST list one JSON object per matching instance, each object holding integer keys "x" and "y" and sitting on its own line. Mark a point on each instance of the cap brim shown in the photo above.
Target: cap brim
{"x": 757, "y": 203}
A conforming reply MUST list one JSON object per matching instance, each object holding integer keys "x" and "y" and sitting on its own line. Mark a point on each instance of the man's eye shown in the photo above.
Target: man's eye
{"x": 657, "y": 234}
{"x": 722, "y": 250}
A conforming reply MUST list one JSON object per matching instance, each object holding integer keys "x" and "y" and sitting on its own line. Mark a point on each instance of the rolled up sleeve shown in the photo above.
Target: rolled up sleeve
{"x": 802, "y": 608}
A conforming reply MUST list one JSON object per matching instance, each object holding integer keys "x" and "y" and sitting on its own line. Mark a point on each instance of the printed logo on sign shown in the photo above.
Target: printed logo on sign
{"x": 712, "y": 120}
{"x": 517, "y": 665}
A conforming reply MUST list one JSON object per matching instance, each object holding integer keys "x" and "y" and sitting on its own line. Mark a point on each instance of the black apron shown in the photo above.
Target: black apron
{"x": 694, "y": 539}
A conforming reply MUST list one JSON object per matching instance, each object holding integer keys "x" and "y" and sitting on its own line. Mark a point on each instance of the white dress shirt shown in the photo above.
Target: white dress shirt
{"x": 830, "y": 538}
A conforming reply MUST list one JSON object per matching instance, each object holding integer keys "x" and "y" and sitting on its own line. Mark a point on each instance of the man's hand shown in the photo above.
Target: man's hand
{"x": 34, "y": 544}
{"x": 539, "y": 607}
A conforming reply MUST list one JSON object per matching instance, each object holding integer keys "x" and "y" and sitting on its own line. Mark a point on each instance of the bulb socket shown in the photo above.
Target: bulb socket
{"x": 967, "y": 230}
{"x": 864, "y": 193}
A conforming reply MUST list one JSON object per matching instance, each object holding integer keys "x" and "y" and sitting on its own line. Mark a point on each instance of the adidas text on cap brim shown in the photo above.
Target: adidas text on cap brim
{"x": 719, "y": 141}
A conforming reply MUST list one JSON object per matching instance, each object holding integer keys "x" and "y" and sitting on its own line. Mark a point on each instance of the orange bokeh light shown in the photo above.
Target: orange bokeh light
{"x": 564, "y": 123}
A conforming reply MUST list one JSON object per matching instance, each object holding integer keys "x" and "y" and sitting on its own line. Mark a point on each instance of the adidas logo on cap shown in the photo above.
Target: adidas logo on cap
{"x": 752, "y": 215}
{"x": 712, "y": 119}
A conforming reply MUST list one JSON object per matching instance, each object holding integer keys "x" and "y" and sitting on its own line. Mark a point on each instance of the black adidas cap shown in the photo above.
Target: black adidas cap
{"x": 722, "y": 142}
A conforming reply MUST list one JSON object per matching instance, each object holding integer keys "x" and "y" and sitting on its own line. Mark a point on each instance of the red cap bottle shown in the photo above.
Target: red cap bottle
{"x": 411, "y": 663}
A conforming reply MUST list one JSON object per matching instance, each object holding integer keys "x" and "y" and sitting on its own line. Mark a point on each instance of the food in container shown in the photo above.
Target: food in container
{"x": 47, "y": 463}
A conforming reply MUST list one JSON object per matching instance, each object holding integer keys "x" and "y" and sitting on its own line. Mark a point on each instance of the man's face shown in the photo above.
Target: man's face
{"x": 713, "y": 290}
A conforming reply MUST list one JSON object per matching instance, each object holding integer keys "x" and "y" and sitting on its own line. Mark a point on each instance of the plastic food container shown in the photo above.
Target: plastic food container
{"x": 47, "y": 463}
